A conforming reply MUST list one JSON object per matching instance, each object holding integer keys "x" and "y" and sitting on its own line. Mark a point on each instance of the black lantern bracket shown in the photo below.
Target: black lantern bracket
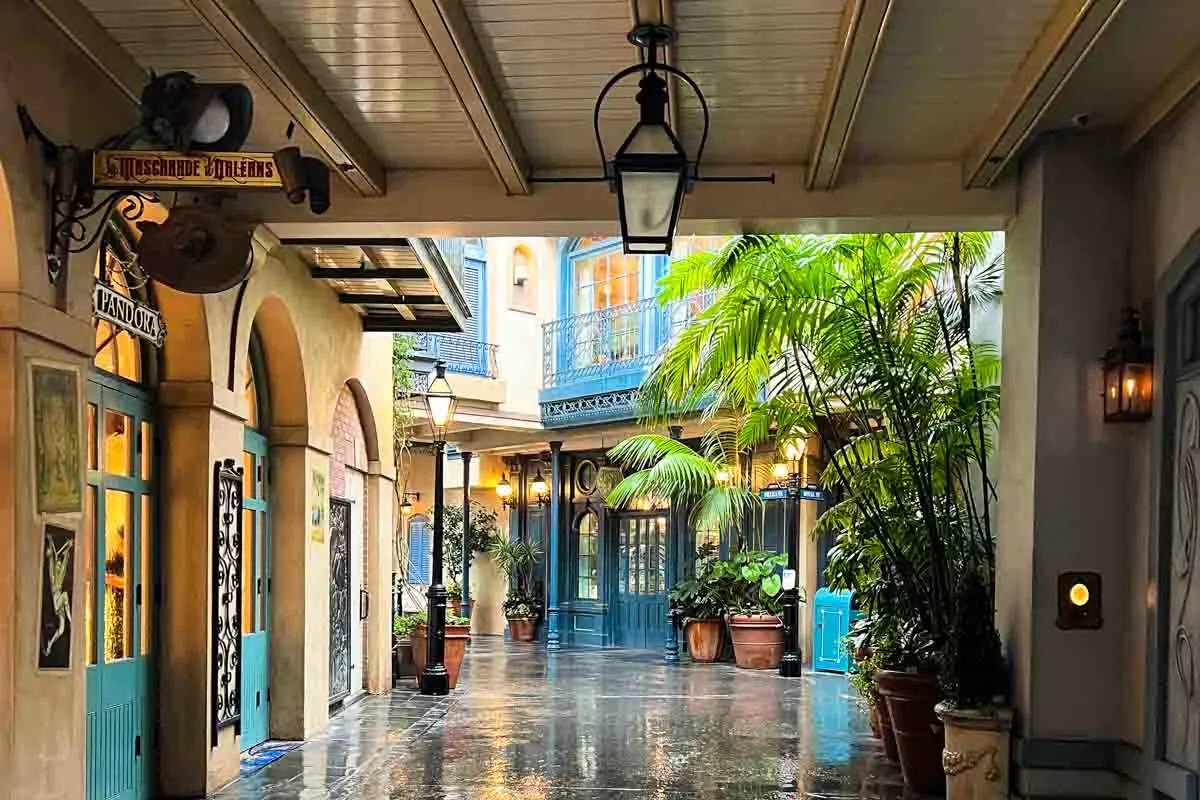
{"x": 650, "y": 38}
{"x": 71, "y": 201}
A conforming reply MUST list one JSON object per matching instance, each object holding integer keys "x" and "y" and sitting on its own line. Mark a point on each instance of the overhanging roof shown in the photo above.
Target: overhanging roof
{"x": 400, "y": 285}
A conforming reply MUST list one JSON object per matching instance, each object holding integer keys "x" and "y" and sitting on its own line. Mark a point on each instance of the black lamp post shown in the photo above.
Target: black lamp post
{"x": 789, "y": 667}
{"x": 440, "y": 403}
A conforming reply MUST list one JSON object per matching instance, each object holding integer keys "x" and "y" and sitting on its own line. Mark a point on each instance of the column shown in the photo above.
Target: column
{"x": 676, "y": 522}
{"x": 466, "y": 537}
{"x": 554, "y": 546}
{"x": 381, "y": 492}
{"x": 1064, "y": 475}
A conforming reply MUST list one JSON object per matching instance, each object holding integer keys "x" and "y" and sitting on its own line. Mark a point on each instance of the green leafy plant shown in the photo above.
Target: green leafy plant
{"x": 454, "y": 588}
{"x": 518, "y": 561}
{"x": 701, "y": 596}
{"x": 404, "y": 624}
{"x": 750, "y": 582}
{"x": 972, "y": 676}
{"x": 483, "y": 528}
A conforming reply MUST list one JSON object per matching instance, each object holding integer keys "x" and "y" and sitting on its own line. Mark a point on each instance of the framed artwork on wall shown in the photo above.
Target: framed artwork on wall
{"x": 56, "y": 596}
{"x": 320, "y": 505}
{"x": 54, "y": 392}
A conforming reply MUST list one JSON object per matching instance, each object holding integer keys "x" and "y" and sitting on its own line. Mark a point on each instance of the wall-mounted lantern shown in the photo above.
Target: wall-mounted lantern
{"x": 504, "y": 491}
{"x": 538, "y": 489}
{"x": 406, "y": 507}
{"x": 1129, "y": 373}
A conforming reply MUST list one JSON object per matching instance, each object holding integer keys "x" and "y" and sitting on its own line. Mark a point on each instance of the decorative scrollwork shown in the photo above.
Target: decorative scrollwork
{"x": 956, "y": 763}
{"x": 1183, "y": 554}
{"x": 339, "y": 599}
{"x": 226, "y": 597}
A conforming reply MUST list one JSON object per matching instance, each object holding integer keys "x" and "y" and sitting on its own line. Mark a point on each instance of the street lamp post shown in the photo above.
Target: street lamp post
{"x": 440, "y": 403}
{"x": 789, "y": 667}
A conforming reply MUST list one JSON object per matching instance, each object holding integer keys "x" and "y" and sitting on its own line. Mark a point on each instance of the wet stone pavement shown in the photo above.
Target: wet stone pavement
{"x": 590, "y": 724}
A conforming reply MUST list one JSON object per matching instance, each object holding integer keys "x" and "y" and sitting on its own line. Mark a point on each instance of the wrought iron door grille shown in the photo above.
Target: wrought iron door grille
{"x": 339, "y": 599}
{"x": 226, "y": 597}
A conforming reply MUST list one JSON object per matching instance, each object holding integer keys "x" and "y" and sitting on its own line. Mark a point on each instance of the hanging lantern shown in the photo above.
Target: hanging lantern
{"x": 1129, "y": 374}
{"x": 650, "y": 172}
{"x": 440, "y": 403}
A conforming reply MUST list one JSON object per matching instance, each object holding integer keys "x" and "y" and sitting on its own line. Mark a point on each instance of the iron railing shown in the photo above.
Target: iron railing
{"x": 599, "y": 343}
{"x": 461, "y": 354}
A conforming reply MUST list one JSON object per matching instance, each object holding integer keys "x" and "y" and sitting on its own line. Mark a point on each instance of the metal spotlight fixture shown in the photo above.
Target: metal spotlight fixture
{"x": 650, "y": 172}
{"x": 186, "y": 115}
{"x": 303, "y": 176}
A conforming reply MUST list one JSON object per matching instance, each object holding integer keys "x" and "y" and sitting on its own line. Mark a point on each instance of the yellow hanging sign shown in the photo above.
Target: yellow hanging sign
{"x": 167, "y": 169}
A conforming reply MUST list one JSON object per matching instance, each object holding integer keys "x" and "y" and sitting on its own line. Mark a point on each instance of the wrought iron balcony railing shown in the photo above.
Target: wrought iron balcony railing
{"x": 461, "y": 353}
{"x": 599, "y": 343}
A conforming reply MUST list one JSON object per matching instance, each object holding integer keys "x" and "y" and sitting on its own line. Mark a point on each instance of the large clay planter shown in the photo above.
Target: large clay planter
{"x": 456, "y": 606}
{"x": 402, "y": 658}
{"x": 522, "y": 629}
{"x": 920, "y": 738}
{"x": 457, "y": 637}
{"x": 977, "y": 751}
{"x": 886, "y": 734}
{"x": 704, "y": 639}
{"x": 757, "y": 640}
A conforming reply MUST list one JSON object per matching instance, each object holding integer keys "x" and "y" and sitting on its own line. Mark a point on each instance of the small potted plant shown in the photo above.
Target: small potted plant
{"x": 402, "y": 646}
{"x": 699, "y": 602}
{"x": 454, "y": 596}
{"x": 978, "y": 723}
{"x": 458, "y": 634}
{"x": 522, "y": 608}
{"x": 753, "y": 586}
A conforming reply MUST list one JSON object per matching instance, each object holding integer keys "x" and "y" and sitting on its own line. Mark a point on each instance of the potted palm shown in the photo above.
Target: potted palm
{"x": 522, "y": 607}
{"x": 458, "y": 634}
{"x": 699, "y": 601}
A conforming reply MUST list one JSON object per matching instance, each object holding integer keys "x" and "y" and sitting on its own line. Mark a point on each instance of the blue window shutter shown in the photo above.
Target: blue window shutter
{"x": 473, "y": 291}
{"x": 419, "y": 555}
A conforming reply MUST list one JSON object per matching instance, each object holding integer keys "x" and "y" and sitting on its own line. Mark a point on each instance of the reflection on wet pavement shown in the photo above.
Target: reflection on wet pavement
{"x": 590, "y": 724}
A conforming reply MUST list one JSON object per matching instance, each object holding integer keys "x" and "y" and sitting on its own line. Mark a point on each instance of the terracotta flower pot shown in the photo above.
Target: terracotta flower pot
{"x": 886, "y": 734}
{"x": 757, "y": 640}
{"x": 457, "y": 637}
{"x": 522, "y": 629}
{"x": 977, "y": 752}
{"x": 704, "y": 639}
{"x": 456, "y": 606}
{"x": 920, "y": 737}
{"x": 402, "y": 658}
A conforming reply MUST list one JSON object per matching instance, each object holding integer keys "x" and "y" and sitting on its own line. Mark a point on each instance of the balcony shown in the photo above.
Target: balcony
{"x": 461, "y": 354}
{"x": 594, "y": 362}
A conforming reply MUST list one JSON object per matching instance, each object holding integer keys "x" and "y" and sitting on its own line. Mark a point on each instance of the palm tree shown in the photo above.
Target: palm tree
{"x": 867, "y": 341}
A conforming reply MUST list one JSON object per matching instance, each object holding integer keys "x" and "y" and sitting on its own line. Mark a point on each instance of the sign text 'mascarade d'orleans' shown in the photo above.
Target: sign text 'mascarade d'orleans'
{"x": 166, "y": 169}
{"x": 138, "y": 318}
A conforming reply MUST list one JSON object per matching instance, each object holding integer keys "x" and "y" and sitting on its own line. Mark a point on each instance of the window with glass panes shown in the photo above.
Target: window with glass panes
{"x": 588, "y": 587}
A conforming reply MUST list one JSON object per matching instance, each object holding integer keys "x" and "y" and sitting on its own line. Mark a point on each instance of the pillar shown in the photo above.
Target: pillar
{"x": 466, "y": 537}
{"x": 1064, "y": 475}
{"x": 675, "y": 525}
{"x": 554, "y": 547}
{"x": 380, "y": 532}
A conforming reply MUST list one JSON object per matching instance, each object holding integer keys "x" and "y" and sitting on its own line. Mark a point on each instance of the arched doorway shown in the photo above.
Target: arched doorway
{"x": 121, "y": 578}
{"x": 256, "y": 553}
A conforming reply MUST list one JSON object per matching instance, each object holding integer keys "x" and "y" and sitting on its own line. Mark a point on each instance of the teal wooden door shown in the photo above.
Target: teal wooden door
{"x": 120, "y": 579}
{"x": 640, "y": 594}
{"x": 256, "y": 592}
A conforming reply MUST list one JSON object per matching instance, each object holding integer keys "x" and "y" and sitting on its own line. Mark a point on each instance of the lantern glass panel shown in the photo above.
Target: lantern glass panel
{"x": 1112, "y": 391}
{"x": 1137, "y": 389}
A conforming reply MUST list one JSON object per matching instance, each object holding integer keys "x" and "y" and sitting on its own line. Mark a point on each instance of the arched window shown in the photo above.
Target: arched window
{"x": 523, "y": 289}
{"x": 420, "y": 545}
{"x": 587, "y": 530}
{"x": 118, "y": 352}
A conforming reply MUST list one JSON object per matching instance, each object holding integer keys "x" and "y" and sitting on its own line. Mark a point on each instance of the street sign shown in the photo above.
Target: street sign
{"x": 167, "y": 169}
{"x": 779, "y": 493}
{"x": 129, "y": 315}
{"x": 813, "y": 493}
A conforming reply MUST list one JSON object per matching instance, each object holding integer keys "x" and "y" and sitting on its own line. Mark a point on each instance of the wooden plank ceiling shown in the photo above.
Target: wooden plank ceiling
{"x": 509, "y": 85}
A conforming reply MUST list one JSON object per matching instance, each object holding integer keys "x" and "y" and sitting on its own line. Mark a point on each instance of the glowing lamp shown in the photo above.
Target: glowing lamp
{"x": 1129, "y": 374}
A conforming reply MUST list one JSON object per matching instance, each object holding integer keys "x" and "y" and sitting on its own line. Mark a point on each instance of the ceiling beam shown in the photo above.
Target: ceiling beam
{"x": 390, "y": 299}
{"x": 369, "y": 274}
{"x": 74, "y": 20}
{"x": 863, "y": 26}
{"x": 391, "y": 324}
{"x": 453, "y": 203}
{"x": 449, "y": 32}
{"x": 1170, "y": 95}
{"x": 1060, "y": 48}
{"x": 251, "y": 37}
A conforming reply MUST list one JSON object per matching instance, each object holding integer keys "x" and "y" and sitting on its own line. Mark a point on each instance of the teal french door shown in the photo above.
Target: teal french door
{"x": 640, "y": 596}
{"x": 120, "y": 581}
{"x": 256, "y": 592}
